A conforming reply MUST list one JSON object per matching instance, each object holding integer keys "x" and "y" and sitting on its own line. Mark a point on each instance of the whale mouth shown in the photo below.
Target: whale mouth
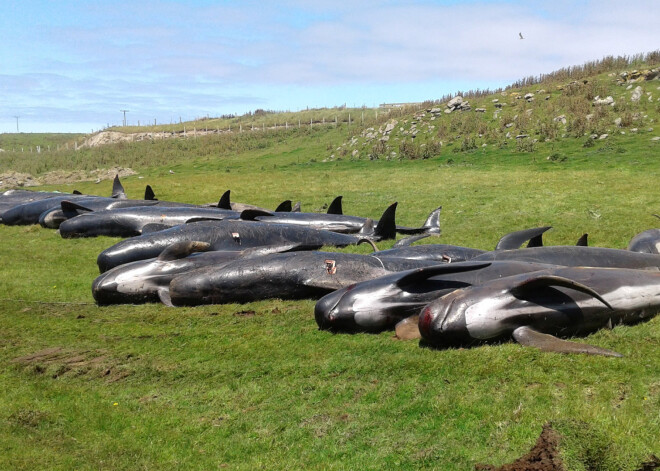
{"x": 326, "y": 313}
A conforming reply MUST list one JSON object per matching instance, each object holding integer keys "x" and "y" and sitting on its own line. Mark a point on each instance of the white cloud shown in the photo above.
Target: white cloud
{"x": 164, "y": 57}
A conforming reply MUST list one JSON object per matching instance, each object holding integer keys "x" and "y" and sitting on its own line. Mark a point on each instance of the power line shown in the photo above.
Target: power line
{"x": 16, "y": 122}
{"x": 124, "y": 111}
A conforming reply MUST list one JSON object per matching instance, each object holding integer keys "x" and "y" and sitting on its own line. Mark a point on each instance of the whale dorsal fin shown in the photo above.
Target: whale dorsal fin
{"x": 536, "y": 281}
{"x": 71, "y": 207}
{"x": 367, "y": 228}
{"x": 432, "y": 224}
{"x": 408, "y": 328}
{"x": 118, "y": 189}
{"x": 149, "y": 194}
{"x": 583, "y": 241}
{"x": 421, "y": 274}
{"x": 253, "y": 214}
{"x": 386, "y": 227}
{"x": 515, "y": 239}
{"x": 225, "y": 202}
{"x": 548, "y": 343}
{"x": 336, "y": 207}
{"x": 284, "y": 207}
{"x": 76, "y": 192}
{"x": 183, "y": 249}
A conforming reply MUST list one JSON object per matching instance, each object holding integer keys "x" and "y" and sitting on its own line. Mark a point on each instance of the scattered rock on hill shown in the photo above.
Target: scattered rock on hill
{"x": 636, "y": 94}
{"x": 456, "y": 104}
{"x": 604, "y": 101}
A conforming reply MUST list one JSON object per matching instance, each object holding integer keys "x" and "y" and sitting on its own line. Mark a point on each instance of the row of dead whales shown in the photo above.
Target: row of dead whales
{"x": 184, "y": 255}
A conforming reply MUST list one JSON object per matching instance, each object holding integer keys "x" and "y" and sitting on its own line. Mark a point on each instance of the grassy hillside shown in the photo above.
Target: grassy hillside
{"x": 257, "y": 385}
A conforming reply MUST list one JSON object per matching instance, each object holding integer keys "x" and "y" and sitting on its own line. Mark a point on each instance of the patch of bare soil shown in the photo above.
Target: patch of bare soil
{"x": 57, "y": 177}
{"x": 544, "y": 456}
{"x": 57, "y": 362}
{"x": 113, "y": 137}
{"x": 651, "y": 464}
{"x": 15, "y": 180}
{"x": 246, "y": 313}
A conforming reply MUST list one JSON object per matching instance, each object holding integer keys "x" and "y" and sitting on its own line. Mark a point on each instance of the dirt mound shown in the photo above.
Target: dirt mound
{"x": 61, "y": 176}
{"x": 651, "y": 464}
{"x": 544, "y": 456}
{"x": 57, "y": 361}
{"x": 113, "y": 137}
{"x": 15, "y": 180}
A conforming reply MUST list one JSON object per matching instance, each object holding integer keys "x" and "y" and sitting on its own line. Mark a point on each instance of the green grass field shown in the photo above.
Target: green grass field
{"x": 258, "y": 386}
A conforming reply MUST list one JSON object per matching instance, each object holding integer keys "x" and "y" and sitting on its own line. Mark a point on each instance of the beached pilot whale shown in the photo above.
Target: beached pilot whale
{"x": 293, "y": 275}
{"x": 534, "y": 308}
{"x": 341, "y": 222}
{"x": 29, "y": 213}
{"x": 446, "y": 253}
{"x": 136, "y": 220}
{"x": 148, "y": 280}
{"x": 381, "y": 303}
{"x": 233, "y": 235}
{"x": 646, "y": 242}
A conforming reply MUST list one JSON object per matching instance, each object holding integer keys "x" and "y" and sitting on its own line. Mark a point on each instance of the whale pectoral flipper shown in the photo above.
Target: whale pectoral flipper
{"x": 182, "y": 249}
{"x": 253, "y": 214}
{"x": 534, "y": 282}
{"x": 419, "y": 275}
{"x": 548, "y": 343}
{"x": 154, "y": 227}
{"x": 164, "y": 296}
{"x": 408, "y": 328}
{"x": 407, "y": 241}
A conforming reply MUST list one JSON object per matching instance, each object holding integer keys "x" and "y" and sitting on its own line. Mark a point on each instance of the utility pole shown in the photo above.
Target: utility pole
{"x": 16, "y": 122}
{"x": 124, "y": 111}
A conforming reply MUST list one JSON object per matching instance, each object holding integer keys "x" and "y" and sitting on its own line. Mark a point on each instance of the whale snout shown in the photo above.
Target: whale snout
{"x": 327, "y": 314}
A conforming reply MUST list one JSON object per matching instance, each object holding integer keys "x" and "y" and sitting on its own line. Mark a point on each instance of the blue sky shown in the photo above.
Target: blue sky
{"x": 70, "y": 66}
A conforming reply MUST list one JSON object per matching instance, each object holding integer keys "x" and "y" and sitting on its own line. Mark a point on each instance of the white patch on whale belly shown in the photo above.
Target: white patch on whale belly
{"x": 485, "y": 318}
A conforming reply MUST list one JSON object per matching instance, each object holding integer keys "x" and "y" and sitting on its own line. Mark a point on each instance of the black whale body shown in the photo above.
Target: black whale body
{"x": 221, "y": 235}
{"x": 293, "y": 275}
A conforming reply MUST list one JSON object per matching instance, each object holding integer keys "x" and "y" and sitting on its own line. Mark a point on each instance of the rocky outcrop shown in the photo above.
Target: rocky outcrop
{"x": 598, "y": 101}
{"x": 457, "y": 104}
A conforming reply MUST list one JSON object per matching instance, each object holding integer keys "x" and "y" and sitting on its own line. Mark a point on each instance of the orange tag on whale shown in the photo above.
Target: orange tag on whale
{"x": 330, "y": 267}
